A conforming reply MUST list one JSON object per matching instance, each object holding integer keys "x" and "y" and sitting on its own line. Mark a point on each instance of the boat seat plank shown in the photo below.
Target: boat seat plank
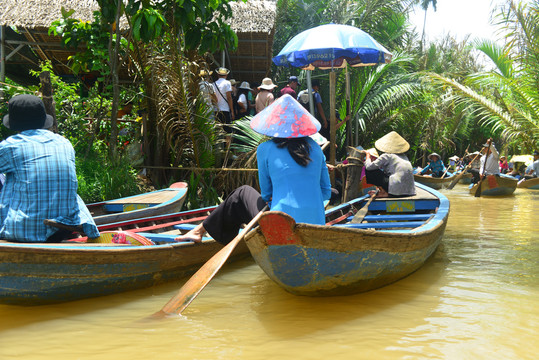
{"x": 157, "y": 197}
{"x": 420, "y": 195}
{"x": 385, "y": 225}
{"x": 411, "y": 217}
{"x": 185, "y": 226}
{"x": 418, "y": 204}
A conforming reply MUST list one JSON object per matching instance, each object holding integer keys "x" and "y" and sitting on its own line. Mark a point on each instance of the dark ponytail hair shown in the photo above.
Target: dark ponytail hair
{"x": 298, "y": 148}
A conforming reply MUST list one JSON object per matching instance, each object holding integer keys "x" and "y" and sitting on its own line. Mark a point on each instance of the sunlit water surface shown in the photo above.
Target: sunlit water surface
{"x": 476, "y": 298}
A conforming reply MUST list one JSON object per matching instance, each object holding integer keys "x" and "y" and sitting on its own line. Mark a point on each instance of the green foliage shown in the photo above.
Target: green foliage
{"x": 202, "y": 192}
{"x": 93, "y": 36}
{"x": 245, "y": 138}
{"x": 506, "y": 100}
{"x": 101, "y": 179}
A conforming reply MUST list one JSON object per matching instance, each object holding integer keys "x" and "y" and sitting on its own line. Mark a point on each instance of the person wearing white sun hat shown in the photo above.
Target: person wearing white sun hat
{"x": 392, "y": 172}
{"x": 265, "y": 96}
{"x": 243, "y": 99}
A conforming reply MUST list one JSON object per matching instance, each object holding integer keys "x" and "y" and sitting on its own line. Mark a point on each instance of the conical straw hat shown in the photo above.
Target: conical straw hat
{"x": 392, "y": 143}
{"x": 285, "y": 118}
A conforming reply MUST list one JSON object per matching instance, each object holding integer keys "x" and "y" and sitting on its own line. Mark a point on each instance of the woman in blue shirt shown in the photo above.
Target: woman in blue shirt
{"x": 292, "y": 174}
{"x": 436, "y": 166}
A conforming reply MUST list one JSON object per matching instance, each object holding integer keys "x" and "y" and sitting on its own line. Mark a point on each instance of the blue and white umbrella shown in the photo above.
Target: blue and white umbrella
{"x": 332, "y": 46}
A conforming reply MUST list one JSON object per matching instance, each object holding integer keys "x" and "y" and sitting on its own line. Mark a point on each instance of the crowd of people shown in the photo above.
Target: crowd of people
{"x": 230, "y": 101}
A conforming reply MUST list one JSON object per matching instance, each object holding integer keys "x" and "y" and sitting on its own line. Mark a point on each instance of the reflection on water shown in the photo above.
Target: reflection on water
{"x": 476, "y": 298}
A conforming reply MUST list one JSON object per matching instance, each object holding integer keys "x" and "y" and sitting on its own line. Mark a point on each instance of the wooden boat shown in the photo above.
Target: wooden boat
{"x": 396, "y": 237}
{"x": 496, "y": 185}
{"x": 152, "y": 203}
{"x": 433, "y": 182}
{"x": 466, "y": 179}
{"x": 529, "y": 184}
{"x": 40, "y": 273}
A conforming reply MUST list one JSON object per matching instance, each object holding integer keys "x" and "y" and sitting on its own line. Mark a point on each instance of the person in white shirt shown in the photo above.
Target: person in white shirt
{"x": 533, "y": 170}
{"x": 223, "y": 90}
{"x": 489, "y": 163}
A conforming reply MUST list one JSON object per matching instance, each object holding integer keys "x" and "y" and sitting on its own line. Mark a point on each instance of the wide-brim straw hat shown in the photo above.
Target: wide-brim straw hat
{"x": 454, "y": 157}
{"x": 373, "y": 152}
{"x": 285, "y": 118}
{"x": 267, "y": 84}
{"x": 204, "y": 72}
{"x": 245, "y": 85}
{"x": 392, "y": 143}
{"x": 432, "y": 155}
{"x": 222, "y": 71}
{"x": 27, "y": 112}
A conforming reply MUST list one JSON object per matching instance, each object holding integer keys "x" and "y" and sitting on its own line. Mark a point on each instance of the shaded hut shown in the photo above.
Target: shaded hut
{"x": 31, "y": 44}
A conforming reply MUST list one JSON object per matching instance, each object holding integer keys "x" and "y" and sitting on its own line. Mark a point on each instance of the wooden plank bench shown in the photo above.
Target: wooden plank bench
{"x": 403, "y": 217}
{"x": 383, "y": 225}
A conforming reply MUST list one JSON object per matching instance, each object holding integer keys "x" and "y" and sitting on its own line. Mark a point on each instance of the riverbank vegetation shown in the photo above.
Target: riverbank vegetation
{"x": 438, "y": 95}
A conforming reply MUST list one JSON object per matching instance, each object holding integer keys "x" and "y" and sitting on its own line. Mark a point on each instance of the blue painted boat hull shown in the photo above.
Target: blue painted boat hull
{"x": 496, "y": 185}
{"x": 315, "y": 260}
{"x": 41, "y": 273}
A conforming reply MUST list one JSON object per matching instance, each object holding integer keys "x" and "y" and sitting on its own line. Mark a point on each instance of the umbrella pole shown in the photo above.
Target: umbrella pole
{"x": 348, "y": 110}
{"x": 332, "y": 123}
{"x": 310, "y": 91}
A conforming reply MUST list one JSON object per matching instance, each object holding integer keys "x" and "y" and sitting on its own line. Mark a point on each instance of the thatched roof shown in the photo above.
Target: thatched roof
{"x": 252, "y": 21}
{"x": 253, "y": 16}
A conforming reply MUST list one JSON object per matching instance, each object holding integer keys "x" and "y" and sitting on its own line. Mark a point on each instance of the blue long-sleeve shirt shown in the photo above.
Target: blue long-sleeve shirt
{"x": 437, "y": 167}
{"x": 41, "y": 183}
{"x": 297, "y": 190}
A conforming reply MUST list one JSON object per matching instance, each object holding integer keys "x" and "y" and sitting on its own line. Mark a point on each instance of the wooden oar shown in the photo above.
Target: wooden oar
{"x": 203, "y": 276}
{"x": 459, "y": 176}
{"x": 482, "y": 173}
{"x": 360, "y": 215}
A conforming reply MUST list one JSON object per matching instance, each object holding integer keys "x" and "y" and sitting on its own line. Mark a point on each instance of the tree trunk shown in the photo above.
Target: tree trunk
{"x": 114, "y": 68}
{"x": 48, "y": 100}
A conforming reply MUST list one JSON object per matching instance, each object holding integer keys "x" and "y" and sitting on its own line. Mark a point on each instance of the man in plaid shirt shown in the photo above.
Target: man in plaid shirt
{"x": 41, "y": 182}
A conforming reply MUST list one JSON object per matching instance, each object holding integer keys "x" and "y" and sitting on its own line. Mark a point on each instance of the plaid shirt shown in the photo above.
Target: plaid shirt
{"x": 41, "y": 183}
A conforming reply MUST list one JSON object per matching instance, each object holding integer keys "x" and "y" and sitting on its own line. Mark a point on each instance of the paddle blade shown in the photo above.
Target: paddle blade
{"x": 360, "y": 215}
{"x": 455, "y": 180}
{"x": 203, "y": 276}
{"x": 478, "y": 191}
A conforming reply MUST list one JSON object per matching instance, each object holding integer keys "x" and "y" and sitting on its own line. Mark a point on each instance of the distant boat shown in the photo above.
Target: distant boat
{"x": 152, "y": 203}
{"x": 496, "y": 185}
{"x": 395, "y": 239}
{"x": 433, "y": 182}
{"x": 529, "y": 184}
{"x": 466, "y": 179}
{"x": 145, "y": 254}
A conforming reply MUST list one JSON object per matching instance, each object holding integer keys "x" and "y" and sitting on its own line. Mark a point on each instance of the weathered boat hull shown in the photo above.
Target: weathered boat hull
{"x": 433, "y": 182}
{"x": 466, "y": 179}
{"x": 165, "y": 201}
{"x": 529, "y": 184}
{"x": 496, "y": 185}
{"x": 315, "y": 260}
{"x": 33, "y": 274}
